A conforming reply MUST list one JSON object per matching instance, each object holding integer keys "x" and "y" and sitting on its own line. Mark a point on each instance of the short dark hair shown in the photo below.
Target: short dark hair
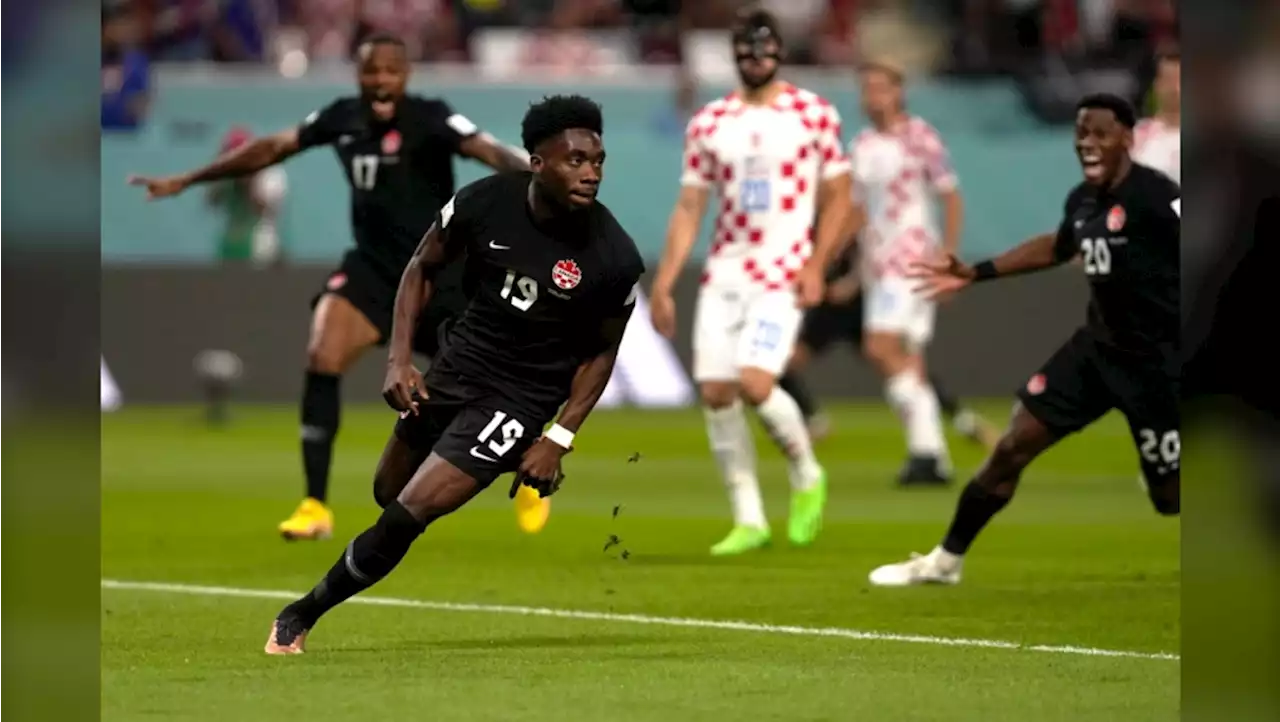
{"x": 1121, "y": 108}
{"x": 555, "y": 114}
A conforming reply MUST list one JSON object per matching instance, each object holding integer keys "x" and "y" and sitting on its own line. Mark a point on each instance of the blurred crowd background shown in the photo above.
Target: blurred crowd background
{"x": 1016, "y": 38}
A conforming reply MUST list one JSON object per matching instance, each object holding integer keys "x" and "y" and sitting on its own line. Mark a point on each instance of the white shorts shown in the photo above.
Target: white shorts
{"x": 891, "y": 305}
{"x": 733, "y": 330}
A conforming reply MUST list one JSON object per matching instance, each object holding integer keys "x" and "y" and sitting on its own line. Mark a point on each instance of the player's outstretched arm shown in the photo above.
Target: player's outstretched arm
{"x": 494, "y": 153}
{"x": 682, "y": 234}
{"x": 243, "y": 161}
{"x": 940, "y": 277}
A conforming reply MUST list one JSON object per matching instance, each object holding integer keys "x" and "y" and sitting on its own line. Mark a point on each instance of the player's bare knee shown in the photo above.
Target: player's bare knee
{"x": 756, "y": 385}
{"x": 1011, "y": 455}
{"x": 326, "y": 358}
{"x": 718, "y": 394}
{"x": 438, "y": 489}
{"x": 886, "y": 353}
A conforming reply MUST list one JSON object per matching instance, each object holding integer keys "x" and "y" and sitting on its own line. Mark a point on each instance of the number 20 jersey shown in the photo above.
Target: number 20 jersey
{"x": 539, "y": 293}
{"x": 1128, "y": 238}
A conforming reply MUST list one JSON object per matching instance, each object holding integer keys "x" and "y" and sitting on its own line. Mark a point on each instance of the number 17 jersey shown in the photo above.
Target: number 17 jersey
{"x": 540, "y": 293}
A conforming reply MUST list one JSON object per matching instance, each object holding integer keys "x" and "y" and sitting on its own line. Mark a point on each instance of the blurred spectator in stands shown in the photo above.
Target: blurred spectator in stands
{"x": 251, "y": 210}
{"x": 126, "y": 71}
{"x": 335, "y": 28}
{"x": 242, "y": 30}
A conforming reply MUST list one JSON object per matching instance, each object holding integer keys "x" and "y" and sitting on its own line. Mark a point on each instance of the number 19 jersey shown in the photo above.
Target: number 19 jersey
{"x": 540, "y": 293}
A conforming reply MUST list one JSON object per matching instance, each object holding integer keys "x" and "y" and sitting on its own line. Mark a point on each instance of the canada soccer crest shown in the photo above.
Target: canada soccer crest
{"x": 391, "y": 142}
{"x": 1036, "y": 385}
{"x": 566, "y": 274}
{"x": 1115, "y": 219}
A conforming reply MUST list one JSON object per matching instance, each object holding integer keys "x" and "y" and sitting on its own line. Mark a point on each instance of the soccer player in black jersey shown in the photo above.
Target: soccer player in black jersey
{"x": 1125, "y": 221}
{"x": 552, "y": 279}
{"x": 839, "y": 318}
{"x": 397, "y": 153}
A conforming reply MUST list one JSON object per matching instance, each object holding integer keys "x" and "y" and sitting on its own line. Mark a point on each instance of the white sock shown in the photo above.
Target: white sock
{"x": 917, "y": 405}
{"x": 735, "y": 452}
{"x": 782, "y": 417}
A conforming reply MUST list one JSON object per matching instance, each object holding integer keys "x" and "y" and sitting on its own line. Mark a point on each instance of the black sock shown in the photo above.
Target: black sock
{"x": 320, "y": 410}
{"x": 792, "y": 384}
{"x": 948, "y": 402}
{"x": 366, "y": 560}
{"x": 976, "y": 507}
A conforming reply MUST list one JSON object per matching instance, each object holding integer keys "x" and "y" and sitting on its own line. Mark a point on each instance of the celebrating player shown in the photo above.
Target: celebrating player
{"x": 1157, "y": 141}
{"x": 397, "y": 152}
{"x": 552, "y": 279}
{"x": 839, "y": 317}
{"x": 1125, "y": 219}
{"x": 773, "y": 153}
{"x": 899, "y": 166}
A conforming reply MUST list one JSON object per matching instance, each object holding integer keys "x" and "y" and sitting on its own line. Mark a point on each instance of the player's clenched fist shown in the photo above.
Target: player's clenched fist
{"x": 403, "y": 388}
{"x": 540, "y": 467}
{"x": 810, "y": 287}
{"x": 160, "y": 187}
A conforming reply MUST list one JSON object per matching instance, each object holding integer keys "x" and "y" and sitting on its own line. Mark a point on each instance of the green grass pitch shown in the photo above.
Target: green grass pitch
{"x": 1077, "y": 564}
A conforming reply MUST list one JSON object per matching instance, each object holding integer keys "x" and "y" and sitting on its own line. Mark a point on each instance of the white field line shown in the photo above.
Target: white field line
{"x": 206, "y": 591}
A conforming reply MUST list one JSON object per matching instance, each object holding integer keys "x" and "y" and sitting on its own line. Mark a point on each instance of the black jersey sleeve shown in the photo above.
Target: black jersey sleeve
{"x": 321, "y": 127}
{"x": 449, "y": 126}
{"x": 1065, "y": 247}
{"x": 456, "y": 218}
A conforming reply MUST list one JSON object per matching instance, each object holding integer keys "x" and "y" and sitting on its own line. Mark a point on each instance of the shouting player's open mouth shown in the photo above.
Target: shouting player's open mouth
{"x": 383, "y": 105}
{"x": 1091, "y": 162}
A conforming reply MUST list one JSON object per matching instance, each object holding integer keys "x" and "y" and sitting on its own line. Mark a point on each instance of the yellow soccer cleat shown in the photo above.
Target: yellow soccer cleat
{"x": 311, "y": 520}
{"x": 532, "y": 510}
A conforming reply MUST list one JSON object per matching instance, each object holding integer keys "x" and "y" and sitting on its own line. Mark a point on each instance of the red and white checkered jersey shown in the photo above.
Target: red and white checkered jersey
{"x": 765, "y": 163}
{"x": 1159, "y": 145}
{"x": 896, "y": 174}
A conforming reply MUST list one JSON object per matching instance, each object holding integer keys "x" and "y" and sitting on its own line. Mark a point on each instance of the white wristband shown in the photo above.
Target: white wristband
{"x": 560, "y": 435}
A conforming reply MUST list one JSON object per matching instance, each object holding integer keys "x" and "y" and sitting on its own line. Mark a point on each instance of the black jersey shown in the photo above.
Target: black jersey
{"x": 400, "y": 171}
{"x": 1129, "y": 237}
{"x": 539, "y": 293}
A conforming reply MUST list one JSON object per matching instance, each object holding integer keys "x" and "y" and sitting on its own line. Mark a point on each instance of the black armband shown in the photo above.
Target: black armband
{"x": 985, "y": 271}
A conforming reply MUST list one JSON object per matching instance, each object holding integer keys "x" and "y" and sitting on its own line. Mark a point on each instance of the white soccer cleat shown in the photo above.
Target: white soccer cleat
{"x": 936, "y": 567}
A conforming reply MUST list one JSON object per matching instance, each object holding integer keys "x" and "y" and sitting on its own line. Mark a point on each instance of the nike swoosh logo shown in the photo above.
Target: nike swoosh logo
{"x": 476, "y": 453}
{"x": 494, "y": 245}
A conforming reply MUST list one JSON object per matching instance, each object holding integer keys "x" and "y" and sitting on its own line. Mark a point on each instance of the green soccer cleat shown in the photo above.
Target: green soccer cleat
{"x": 741, "y": 540}
{"x": 806, "y": 512}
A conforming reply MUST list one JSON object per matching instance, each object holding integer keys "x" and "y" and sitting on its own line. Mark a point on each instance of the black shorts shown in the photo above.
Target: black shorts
{"x": 1084, "y": 380}
{"x": 374, "y": 295}
{"x": 475, "y": 431}
{"x": 829, "y": 323}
